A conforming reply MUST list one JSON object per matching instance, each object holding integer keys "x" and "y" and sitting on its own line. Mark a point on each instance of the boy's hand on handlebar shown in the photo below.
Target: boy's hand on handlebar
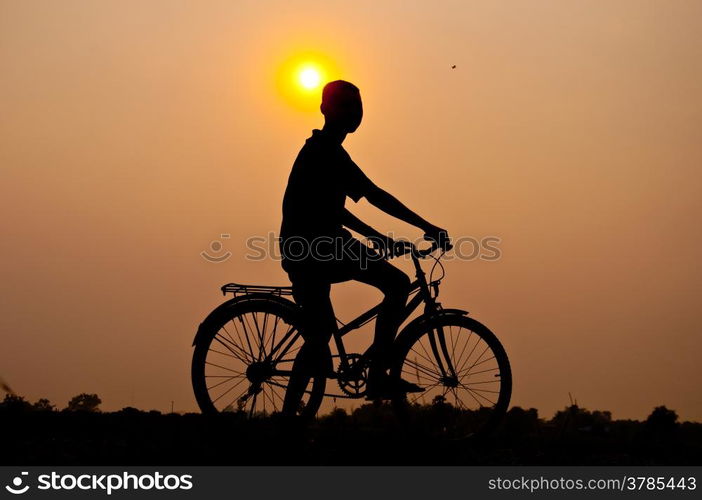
{"x": 381, "y": 244}
{"x": 402, "y": 247}
{"x": 389, "y": 247}
{"x": 384, "y": 245}
{"x": 438, "y": 235}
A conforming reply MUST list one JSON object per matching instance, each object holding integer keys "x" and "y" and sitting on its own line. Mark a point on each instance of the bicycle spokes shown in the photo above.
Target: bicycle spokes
{"x": 249, "y": 361}
{"x": 454, "y": 366}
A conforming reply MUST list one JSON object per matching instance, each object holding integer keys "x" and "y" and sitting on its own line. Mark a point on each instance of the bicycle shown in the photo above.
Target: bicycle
{"x": 245, "y": 348}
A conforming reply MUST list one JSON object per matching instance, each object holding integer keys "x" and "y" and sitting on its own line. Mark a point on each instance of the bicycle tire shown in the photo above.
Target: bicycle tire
{"x": 460, "y": 421}
{"x": 249, "y": 350}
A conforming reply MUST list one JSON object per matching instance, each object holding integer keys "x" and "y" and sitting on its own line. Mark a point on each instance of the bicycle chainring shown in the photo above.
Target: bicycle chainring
{"x": 353, "y": 379}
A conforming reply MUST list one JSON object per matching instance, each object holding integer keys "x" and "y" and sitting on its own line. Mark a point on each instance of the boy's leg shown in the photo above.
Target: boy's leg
{"x": 395, "y": 286}
{"x": 318, "y": 323}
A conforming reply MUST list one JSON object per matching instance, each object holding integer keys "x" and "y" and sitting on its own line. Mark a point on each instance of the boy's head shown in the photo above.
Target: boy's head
{"x": 341, "y": 105}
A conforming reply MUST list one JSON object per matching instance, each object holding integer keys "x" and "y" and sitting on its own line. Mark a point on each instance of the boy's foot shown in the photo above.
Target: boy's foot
{"x": 388, "y": 387}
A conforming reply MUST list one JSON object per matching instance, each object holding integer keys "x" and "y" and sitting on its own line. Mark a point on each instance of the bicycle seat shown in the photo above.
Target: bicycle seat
{"x": 239, "y": 289}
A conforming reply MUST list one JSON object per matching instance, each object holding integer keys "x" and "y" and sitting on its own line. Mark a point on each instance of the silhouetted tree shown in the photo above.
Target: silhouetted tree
{"x": 575, "y": 418}
{"x": 84, "y": 402}
{"x": 14, "y": 403}
{"x": 662, "y": 419}
{"x": 520, "y": 421}
{"x": 43, "y": 405}
{"x": 130, "y": 410}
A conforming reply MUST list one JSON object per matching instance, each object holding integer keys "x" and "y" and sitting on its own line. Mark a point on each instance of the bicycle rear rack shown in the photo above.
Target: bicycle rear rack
{"x": 239, "y": 289}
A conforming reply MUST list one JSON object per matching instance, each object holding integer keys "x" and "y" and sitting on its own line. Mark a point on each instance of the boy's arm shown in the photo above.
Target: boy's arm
{"x": 392, "y": 206}
{"x": 380, "y": 242}
{"x": 354, "y": 223}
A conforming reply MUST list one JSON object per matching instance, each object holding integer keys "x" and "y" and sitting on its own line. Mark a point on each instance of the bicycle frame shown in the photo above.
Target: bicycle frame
{"x": 431, "y": 306}
{"x": 423, "y": 295}
{"x": 420, "y": 292}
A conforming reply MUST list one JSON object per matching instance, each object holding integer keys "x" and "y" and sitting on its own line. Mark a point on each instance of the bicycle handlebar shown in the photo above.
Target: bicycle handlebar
{"x": 424, "y": 252}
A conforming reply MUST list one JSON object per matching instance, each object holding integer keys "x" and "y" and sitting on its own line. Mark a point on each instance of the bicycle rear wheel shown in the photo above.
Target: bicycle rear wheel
{"x": 465, "y": 374}
{"x": 244, "y": 359}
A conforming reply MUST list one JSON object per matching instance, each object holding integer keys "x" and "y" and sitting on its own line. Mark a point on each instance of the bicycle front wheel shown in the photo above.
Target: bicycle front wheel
{"x": 465, "y": 374}
{"x": 244, "y": 360}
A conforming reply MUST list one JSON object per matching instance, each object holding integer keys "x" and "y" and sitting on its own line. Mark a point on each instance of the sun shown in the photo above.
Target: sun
{"x": 309, "y": 77}
{"x": 300, "y": 77}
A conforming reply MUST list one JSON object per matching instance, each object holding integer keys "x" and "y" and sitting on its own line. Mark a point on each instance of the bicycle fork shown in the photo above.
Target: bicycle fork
{"x": 449, "y": 377}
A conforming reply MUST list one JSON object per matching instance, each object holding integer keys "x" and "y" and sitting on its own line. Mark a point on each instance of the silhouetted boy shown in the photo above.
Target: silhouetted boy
{"x": 317, "y": 250}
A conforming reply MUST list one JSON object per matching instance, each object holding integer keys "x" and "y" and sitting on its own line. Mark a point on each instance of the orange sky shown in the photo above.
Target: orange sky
{"x": 132, "y": 134}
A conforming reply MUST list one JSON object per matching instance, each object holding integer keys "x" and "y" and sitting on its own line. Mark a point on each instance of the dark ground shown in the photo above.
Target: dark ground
{"x": 369, "y": 436}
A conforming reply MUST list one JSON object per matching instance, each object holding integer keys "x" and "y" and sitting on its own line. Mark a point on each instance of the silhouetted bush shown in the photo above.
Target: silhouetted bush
{"x": 13, "y": 403}
{"x": 84, "y": 402}
{"x": 129, "y": 410}
{"x": 662, "y": 420}
{"x": 373, "y": 434}
{"x": 43, "y": 405}
{"x": 576, "y": 419}
{"x": 521, "y": 422}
